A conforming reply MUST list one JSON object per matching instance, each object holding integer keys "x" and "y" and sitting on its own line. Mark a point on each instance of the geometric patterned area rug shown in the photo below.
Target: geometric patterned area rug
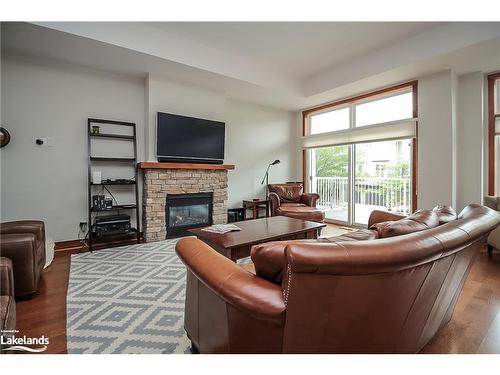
{"x": 127, "y": 299}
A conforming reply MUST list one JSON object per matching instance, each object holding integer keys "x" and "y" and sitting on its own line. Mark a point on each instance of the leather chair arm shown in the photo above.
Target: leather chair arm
{"x": 269, "y": 258}
{"x": 24, "y": 226}
{"x": 21, "y": 250}
{"x": 309, "y": 199}
{"x": 246, "y": 292}
{"x": 379, "y": 216}
{"x": 6, "y": 277}
{"x": 275, "y": 202}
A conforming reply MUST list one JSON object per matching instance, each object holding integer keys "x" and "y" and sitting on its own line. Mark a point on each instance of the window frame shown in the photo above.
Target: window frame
{"x": 411, "y": 86}
{"x": 492, "y": 116}
{"x": 329, "y": 109}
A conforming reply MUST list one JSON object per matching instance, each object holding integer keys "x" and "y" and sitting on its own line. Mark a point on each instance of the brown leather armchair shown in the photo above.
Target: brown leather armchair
{"x": 7, "y": 302}
{"x": 290, "y": 200}
{"x": 388, "y": 295}
{"x": 23, "y": 242}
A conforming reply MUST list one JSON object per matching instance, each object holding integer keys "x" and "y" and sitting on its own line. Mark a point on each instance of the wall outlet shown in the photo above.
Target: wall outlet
{"x": 83, "y": 226}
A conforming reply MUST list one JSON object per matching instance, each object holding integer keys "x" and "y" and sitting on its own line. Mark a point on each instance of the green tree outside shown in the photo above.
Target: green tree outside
{"x": 332, "y": 161}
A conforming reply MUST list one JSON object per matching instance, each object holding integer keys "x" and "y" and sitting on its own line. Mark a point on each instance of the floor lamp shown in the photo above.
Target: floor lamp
{"x": 266, "y": 176}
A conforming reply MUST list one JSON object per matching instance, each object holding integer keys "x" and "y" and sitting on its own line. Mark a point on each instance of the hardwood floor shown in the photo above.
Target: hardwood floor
{"x": 474, "y": 328}
{"x": 45, "y": 313}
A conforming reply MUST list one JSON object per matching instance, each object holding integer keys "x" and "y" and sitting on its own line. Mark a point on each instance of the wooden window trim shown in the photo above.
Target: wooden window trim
{"x": 491, "y": 132}
{"x": 372, "y": 94}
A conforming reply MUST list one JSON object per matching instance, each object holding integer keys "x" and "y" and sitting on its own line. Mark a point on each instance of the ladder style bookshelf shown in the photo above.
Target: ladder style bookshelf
{"x": 95, "y": 188}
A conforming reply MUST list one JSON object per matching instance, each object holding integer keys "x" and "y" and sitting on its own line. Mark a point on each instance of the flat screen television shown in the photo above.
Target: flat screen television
{"x": 189, "y": 139}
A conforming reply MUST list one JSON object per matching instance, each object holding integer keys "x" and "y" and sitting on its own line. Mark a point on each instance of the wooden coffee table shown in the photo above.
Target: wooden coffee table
{"x": 236, "y": 245}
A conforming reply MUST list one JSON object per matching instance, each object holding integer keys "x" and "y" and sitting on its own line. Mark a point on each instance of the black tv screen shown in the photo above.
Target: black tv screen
{"x": 189, "y": 139}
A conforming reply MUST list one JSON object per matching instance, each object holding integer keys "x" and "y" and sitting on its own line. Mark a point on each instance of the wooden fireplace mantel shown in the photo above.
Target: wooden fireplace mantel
{"x": 156, "y": 165}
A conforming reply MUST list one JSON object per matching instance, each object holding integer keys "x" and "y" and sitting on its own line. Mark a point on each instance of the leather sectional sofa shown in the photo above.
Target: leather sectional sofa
{"x": 7, "y": 302}
{"x": 387, "y": 289}
{"x": 290, "y": 200}
{"x": 23, "y": 242}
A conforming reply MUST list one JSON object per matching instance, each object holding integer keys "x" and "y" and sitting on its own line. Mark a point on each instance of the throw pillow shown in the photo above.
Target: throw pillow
{"x": 445, "y": 214}
{"x": 418, "y": 221}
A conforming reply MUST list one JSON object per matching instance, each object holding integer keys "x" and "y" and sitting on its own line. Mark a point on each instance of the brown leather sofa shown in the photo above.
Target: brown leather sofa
{"x": 7, "y": 302}
{"x": 290, "y": 200}
{"x": 361, "y": 295}
{"x": 23, "y": 242}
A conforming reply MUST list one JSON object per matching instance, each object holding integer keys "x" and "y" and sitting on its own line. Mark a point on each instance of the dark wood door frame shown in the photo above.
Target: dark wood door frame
{"x": 372, "y": 94}
{"x": 491, "y": 133}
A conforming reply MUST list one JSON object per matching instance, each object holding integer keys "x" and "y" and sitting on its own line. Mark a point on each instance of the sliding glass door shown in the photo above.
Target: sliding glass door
{"x": 368, "y": 164}
{"x": 329, "y": 166}
{"x": 382, "y": 178}
{"x": 330, "y": 179}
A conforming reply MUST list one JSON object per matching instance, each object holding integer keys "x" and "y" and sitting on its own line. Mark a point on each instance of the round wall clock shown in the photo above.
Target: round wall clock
{"x": 4, "y": 137}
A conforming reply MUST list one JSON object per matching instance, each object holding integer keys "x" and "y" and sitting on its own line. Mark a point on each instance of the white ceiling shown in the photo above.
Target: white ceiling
{"x": 301, "y": 49}
{"x": 284, "y": 65}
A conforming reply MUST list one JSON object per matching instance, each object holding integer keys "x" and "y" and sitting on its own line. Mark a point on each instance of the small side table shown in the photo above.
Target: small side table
{"x": 255, "y": 205}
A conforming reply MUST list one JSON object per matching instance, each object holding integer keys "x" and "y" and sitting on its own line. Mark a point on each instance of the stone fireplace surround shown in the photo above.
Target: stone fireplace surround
{"x": 161, "y": 179}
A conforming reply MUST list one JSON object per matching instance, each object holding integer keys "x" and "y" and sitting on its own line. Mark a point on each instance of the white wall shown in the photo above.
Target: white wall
{"x": 50, "y": 99}
{"x": 44, "y": 98}
{"x": 452, "y": 139}
{"x": 172, "y": 97}
{"x": 435, "y": 141}
{"x": 470, "y": 139}
{"x": 454, "y": 131}
{"x": 255, "y": 135}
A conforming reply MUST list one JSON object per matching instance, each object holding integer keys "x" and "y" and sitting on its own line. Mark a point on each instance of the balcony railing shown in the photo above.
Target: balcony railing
{"x": 387, "y": 193}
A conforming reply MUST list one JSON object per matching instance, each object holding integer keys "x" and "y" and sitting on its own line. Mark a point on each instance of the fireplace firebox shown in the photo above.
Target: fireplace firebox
{"x": 186, "y": 211}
